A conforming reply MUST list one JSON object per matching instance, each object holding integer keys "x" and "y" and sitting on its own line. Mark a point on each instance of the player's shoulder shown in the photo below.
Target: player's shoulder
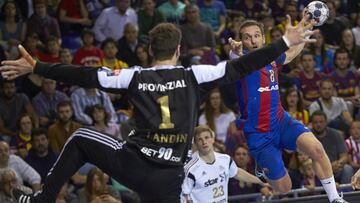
{"x": 222, "y": 157}
{"x": 193, "y": 164}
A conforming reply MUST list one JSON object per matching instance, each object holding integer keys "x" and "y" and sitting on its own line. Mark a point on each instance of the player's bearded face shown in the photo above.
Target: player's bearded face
{"x": 252, "y": 37}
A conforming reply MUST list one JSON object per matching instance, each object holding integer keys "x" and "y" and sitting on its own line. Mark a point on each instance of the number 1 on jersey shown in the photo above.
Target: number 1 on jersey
{"x": 165, "y": 113}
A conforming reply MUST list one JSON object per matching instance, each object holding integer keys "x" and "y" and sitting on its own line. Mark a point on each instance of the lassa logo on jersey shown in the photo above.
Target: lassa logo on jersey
{"x": 269, "y": 88}
{"x": 162, "y": 87}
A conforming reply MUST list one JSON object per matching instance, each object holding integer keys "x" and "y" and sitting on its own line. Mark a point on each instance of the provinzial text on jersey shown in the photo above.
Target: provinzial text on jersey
{"x": 162, "y": 87}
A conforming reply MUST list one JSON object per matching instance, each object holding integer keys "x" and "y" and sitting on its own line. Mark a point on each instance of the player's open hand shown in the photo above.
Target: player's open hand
{"x": 300, "y": 33}
{"x": 12, "y": 69}
{"x": 236, "y": 47}
{"x": 355, "y": 180}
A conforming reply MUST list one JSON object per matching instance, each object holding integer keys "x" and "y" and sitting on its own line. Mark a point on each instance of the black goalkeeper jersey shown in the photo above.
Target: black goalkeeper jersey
{"x": 165, "y": 98}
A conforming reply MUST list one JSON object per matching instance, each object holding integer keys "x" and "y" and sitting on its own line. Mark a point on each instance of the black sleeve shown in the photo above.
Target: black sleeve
{"x": 70, "y": 74}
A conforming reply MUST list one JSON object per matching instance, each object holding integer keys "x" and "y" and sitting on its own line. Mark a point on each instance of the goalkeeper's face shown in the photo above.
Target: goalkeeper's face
{"x": 252, "y": 37}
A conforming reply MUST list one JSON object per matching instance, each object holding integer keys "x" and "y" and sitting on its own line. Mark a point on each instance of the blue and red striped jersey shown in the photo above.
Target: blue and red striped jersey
{"x": 259, "y": 98}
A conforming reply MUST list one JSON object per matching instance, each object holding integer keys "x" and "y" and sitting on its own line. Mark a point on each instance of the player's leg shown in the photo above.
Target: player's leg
{"x": 85, "y": 145}
{"x": 269, "y": 163}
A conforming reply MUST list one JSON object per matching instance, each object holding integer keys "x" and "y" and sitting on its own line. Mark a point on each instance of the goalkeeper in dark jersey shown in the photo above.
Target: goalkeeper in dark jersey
{"x": 166, "y": 102}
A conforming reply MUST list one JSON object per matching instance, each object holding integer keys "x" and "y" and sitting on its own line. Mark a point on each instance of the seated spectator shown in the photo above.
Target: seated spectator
{"x": 275, "y": 34}
{"x": 356, "y": 29}
{"x": 94, "y": 7}
{"x": 334, "y": 145}
{"x": 88, "y": 54}
{"x": 41, "y": 23}
{"x": 52, "y": 51}
{"x": 84, "y": 98}
{"x": 324, "y": 54}
{"x": 101, "y": 120}
{"x": 73, "y": 16}
{"x": 109, "y": 47}
{"x": 198, "y": 42}
{"x": 149, "y": 17}
{"x": 8, "y": 182}
{"x": 111, "y": 22}
{"x": 278, "y": 10}
{"x": 46, "y": 101}
{"x": 96, "y": 189}
{"x": 333, "y": 26}
{"x": 353, "y": 145}
{"x": 293, "y": 104}
{"x": 309, "y": 180}
{"x": 335, "y": 108}
{"x": 21, "y": 143}
{"x": 12, "y": 29}
{"x": 250, "y": 8}
{"x": 348, "y": 42}
{"x": 346, "y": 80}
{"x": 217, "y": 116}
{"x": 173, "y": 11}
{"x": 41, "y": 157}
{"x": 62, "y": 129}
{"x": 24, "y": 172}
{"x": 66, "y": 58}
{"x": 309, "y": 79}
{"x": 231, "y": 31}
{"x": 12, "y": 105}
{"x": 237, "y": 187}
{"x": 31, "y": 44}
{"x": 294, "y": 166}
{"x": 213, "y": 12}
{"x": 143, "y": 56}
{"x": 128, "y": 43}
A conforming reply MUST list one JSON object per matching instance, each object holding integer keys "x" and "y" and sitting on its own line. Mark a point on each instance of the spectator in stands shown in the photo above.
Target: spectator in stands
{"x": 128, "y": 43}
{"x": 324, "y": 54}
{"x": 278, "y": 10}
{"x": 309, "y": 79}
{"x": 250, "y": 8}
{"x": 88, "y": 54}
{"x": 293, "y": 104}
{"x": 333, "y": 26}
{"x": 31, "y": 43}
{"x": 41, "y": 157}
{"x": 149, "y": 17}
{"x": 112, "y": 21}
{"x": 96, "y": 189}
{"x": 65, "y": 195}
{"x": 21, "y": 143}
{"x": 52, "y": 51}
{"x": 12, "y": 105}
{"x": 173, "y": 11}
{"x": 198, "y": 42}
{"x": 101, "y": 120}
{"x": 24, "y": 172}
{"x": 41, "y": 23}
{"x": 335, "y": 108}
{"x": 109, "y": 47}
{"x": 231, "y": 31}
{"x": 143, "y": 55}
{"x": 294, "y": 166}
{"x": 62, "y": 129}
{"x": 334, "y": 145}
{"x": 353, "y": 145}
{"x": 66, "y": 58}
{"x": 94, "y": 7}
{"x": 84, "y": 98}
{"x": 217, "y": 116}
{"x": 309, "y": 180}
{"x": 356, "y": 29}
{"x": 213, "y": 12}
{"x": 12, "y": 28}
{"x": 73, "y": 16}
{"x": 348, "y": 42}
{"x": 346, "y": 81}
{"x": 9, "y": 181}
{"x": 275, "y": 34}
{"x": 238, "y": 187}
{"x": 46, "y": 101}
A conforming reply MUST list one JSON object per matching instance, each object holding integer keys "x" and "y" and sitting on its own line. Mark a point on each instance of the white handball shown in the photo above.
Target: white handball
{"x": 318, "y": 11}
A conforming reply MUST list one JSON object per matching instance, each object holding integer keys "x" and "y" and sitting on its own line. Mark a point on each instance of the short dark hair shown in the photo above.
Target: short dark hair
{"x": 304, "y": 53}
{"x": 64, "y": 103}
{"x": 341, "y": 51}
{"x": 248, "y": 23}
{"x": 326, "y": 79}
{"x": 38, "y": 132}
{"x": 164, "y": 40}
{"x": 108, "y": 40}
{"x": 318, "y": 113}
{"x": 87, "y": 31}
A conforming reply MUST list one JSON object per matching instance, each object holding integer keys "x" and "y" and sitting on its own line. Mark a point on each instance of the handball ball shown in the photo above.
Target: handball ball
{"x": 318, "y": 11}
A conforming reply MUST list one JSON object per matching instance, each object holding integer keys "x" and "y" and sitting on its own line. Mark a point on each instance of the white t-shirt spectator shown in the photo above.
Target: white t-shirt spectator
{"x": 337, "y": 108}
{"x": 222, "y": 124}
